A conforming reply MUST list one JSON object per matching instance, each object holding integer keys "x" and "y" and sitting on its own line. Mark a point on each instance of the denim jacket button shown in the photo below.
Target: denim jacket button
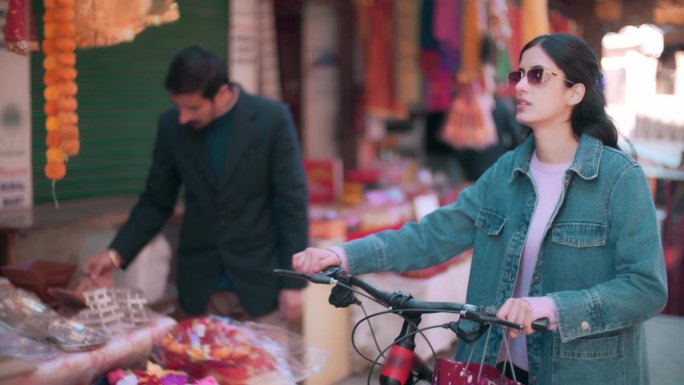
{"x": 585, "y": 325}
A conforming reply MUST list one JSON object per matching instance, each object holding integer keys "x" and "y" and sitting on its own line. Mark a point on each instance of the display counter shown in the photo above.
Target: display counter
{"x": 23, "y": 232}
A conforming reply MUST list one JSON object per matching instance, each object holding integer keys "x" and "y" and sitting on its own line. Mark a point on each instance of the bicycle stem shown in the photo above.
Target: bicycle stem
{"x": 402, "y": 360}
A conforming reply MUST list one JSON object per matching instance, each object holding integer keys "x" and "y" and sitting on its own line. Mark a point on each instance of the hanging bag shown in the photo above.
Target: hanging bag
{"x": 469, "y": 123}
{"x": 449, "y": 372}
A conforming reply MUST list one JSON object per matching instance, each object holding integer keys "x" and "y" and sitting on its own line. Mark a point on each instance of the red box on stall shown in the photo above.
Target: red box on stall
{"x": 324, "y": 179}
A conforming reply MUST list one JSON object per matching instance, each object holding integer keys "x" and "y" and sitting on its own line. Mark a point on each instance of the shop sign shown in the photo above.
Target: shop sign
{"x": 16, "y": 189}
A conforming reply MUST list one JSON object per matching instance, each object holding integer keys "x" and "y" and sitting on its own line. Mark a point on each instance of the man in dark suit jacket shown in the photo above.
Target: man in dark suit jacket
{"x": 238, "y": 159}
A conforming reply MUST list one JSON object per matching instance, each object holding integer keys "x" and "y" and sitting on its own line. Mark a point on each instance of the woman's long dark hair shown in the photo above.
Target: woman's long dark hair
{"x": 580, "y": 65}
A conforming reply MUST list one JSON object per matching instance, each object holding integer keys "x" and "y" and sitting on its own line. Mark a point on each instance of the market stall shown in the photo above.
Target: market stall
{"x": 129, "y": 348}
{"x": 114, "y": 339}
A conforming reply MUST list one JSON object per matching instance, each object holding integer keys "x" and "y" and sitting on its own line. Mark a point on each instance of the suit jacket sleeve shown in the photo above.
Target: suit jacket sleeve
{"x": 290, "y": 196}
{"x": 156, "y": 203}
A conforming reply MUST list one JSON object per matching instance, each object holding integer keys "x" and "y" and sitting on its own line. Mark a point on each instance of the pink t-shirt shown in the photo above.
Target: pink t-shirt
{"x": 548, "y": 180}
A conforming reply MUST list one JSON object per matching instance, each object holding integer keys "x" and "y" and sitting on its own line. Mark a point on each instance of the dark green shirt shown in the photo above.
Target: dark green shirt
{"x": 216, "y": 137}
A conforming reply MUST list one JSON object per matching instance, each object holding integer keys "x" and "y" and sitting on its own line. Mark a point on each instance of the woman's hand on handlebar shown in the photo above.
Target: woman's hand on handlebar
{"x": 313, "y": 260}
{"x": 518, "y": 311}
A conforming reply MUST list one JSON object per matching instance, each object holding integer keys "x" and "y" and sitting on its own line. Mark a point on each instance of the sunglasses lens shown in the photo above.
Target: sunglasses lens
{"x": 535, "y": 76}
{"x": 514, "y": 78}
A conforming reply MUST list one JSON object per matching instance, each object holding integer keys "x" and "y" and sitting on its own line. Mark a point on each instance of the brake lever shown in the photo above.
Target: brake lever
{"x": 327, "y": 276}
{"x": 540, "y": 325}
{"x": 322, "y": 278}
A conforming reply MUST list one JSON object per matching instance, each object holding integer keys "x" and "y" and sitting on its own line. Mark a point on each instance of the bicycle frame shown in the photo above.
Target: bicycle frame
{"x": 402, "y": 366}
{"x": 401, "y": 361}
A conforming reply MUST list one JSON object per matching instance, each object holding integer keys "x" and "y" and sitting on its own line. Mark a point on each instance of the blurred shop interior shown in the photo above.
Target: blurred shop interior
{"x": 391, "y": 99}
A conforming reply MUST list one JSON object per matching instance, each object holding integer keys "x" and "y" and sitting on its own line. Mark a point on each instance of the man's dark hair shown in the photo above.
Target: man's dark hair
{"x": 196, "y": 70}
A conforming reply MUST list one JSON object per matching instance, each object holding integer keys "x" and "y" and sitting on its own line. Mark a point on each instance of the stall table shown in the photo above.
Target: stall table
{"x": 125, "y": 348}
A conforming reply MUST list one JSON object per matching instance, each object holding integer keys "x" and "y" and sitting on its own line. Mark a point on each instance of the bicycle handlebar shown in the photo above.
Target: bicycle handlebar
{"x": 405, "y": 303}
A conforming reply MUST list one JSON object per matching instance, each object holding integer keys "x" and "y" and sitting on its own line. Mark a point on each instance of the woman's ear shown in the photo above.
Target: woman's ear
{"x": 576, "y": 94}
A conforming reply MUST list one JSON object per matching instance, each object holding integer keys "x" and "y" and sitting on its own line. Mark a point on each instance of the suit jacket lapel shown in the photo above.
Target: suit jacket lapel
{"x": 238, "y": 136}
{"x": 199, "y": 153}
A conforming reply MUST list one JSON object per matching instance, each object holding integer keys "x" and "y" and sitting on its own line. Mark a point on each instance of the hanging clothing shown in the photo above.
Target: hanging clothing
{"x": 437, "y": 80}
{"x": 535, "y": 19}
{"x": 471, "y": 63}
{"x": 515, "y": 43}
{"x": 377, "y": 32}
{"x": 470, "y": 123}
{"x": 406, "y": 57}
{"x": 446, "y": 28}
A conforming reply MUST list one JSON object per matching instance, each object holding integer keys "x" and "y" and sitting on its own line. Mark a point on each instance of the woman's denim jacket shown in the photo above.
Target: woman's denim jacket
{"x": 601, "y": 260}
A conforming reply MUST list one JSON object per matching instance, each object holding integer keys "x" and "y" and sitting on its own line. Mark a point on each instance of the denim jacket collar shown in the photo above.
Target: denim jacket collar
{"x": 585, "y": 164}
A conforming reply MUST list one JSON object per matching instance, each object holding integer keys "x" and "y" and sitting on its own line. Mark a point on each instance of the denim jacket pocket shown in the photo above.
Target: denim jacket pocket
{"x": 579, "y": 234}
{"x": 589, "y": 361}
{"x": 490, "y": 222}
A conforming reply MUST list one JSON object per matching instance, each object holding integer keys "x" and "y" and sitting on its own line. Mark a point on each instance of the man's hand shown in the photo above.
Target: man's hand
{"x": 290, "y": 304}
{"x": 313, "y": 260}
{"x": 102, "y": 264}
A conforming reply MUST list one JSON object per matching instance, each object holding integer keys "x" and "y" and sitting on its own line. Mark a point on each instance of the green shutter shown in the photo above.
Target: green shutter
{"x": 120, "y": 96}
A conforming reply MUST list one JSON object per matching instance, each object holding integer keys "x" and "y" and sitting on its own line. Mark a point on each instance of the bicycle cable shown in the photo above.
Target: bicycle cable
{"x": 377, "y": 359}
{"x": 370, "y": 326}
{"x": 393, "y": 311}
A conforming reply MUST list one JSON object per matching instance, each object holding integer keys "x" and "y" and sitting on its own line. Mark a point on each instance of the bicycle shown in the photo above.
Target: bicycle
{"x": 402, "y": 366}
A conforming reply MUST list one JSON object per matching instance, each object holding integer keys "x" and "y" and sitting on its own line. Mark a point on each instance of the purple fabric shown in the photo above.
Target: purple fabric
{"x": 446, "y": 27}
{"x": 174, "y": 379}
{"x": 447, "y": 30}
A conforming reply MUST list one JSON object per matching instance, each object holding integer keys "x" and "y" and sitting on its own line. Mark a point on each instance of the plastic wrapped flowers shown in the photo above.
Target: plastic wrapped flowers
{"x": 238, "y": 353}
{"x": 155, "y": 375}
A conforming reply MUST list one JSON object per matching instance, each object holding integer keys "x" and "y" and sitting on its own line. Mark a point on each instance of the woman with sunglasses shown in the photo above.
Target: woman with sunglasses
{"x": 562, "y": 227}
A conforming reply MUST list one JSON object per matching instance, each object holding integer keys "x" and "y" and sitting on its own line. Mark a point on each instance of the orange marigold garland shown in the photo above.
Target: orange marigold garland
{"x": 61, "y": 120}
{"x": 60, "y": 88}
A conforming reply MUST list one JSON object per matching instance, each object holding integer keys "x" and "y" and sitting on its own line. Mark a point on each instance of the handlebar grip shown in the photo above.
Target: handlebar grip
{"x": 541, "y": 325}
{"x": 290, "y": 273}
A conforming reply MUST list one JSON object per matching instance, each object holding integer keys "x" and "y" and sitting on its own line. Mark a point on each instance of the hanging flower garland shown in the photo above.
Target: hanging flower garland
{"x": 61, "y": 120}
{"x": 68, "y": 27}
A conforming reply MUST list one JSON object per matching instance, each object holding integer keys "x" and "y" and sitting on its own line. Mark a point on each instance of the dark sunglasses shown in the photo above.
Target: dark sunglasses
{"x": 535, "y": 76}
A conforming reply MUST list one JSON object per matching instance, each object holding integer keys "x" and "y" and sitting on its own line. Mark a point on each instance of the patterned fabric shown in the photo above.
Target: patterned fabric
{"x": 438, "y": 83}
{"x": 516, "y": 43}
{"x": 447, "y": 30}
{"x": 407, "y": 76}
{"x": 377, "y": 44}
{"x": 535, "y": 19}
{"x": 471, "y": 64}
